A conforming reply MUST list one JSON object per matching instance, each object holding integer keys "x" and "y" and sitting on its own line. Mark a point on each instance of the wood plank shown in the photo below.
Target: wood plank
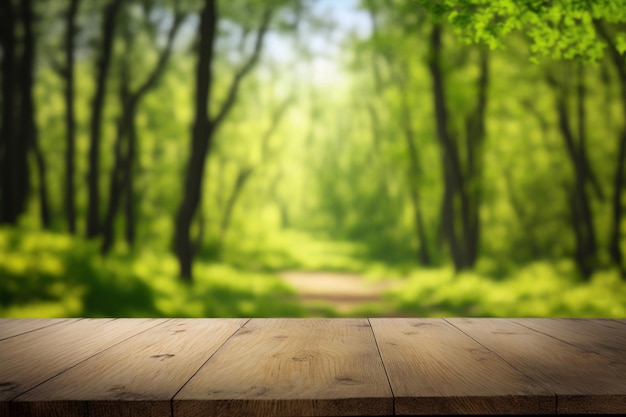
{"x": 604, "y": 337}
{"x": 436, "y": 369}
{"x": 287, "y": 367}
{"x": 29, "y": 359}
{"x": 583, "y": 381}
{"x": 137, "y": 377}
{"x": 14, "y": 327}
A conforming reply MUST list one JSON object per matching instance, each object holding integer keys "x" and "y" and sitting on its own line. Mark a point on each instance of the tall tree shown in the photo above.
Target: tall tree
{"x": 103, "y": 64}
{"x": 70, "y": 118}
{"x": 13, "y": 151}
{"x": 575, "y": 139}
{"x": 398, "y": 66}
{"x": 122, "y": 175}
{"x": 244, "y": 173}
{"x": 618, "y": 58}
{"x": 28, "y": 131}
{"x": 18, "y": 134}
{"x": 205, "y": 124}
{"x": 462, "y": 167}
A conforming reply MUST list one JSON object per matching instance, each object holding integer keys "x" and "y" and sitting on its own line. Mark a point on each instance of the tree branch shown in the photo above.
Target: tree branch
{"x": 179, "y": 17}
{"x": 243, "y": 71}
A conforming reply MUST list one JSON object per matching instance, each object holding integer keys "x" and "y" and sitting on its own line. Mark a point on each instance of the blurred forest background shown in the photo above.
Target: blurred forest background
{"x": 186, "y": 158}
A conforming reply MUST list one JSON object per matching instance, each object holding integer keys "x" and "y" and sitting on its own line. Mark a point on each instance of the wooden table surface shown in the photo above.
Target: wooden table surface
{"x": 311, "y": 367}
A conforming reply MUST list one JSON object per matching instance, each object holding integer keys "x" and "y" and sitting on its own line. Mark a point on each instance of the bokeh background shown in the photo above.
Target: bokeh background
{"x": 293, "y": 158}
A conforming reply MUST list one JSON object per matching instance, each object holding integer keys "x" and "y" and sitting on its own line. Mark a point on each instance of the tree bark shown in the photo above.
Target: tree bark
{"x": 242, "y": 178}
{"x": 619, "y": 178}
{"x": 102, "y": 68}
{"x": 121, "y": 187}
{"x": 29, "y": 124}
{"x": 580, "y": 202}
{"x": 475, "y": 137}
{"x": 116, "y": 184}
{"x": 244, "y": 173}
{"x": 12, "y": 150}
{"x": 200, "y": 139}
{"x": 70, "y": 118}
{"x": 204, "y": 128}
{"x": 423, "y": 252}
{"x": 460, "y": 213}
{"x": 449, "y": 152}
{"x": 130, "y": 197}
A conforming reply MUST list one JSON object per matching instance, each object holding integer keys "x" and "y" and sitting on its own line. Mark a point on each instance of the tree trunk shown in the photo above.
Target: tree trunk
{"x": 475, "y": 138}
{"x": 28, "y": 122}
{"x": 12, "y": 150}
{"x": 619, "y": 178}
{"x": 129, "y": 198}
{"x": 460, "y": 213}
{"x": 116, "y": 185}
{"x": 70, "y": 119}
{"x": 200, "y": 140}
{"x": 619, "y": 184}
{"x": 121, "y": 186}
{"x": 619, "y": 181}
{"x": 582, "y": 214}
{"x": 242, "y": 178}
{"x": 102, "y": 67}
{"x": 204, "y": 128}
{"x": 423, "y": 253}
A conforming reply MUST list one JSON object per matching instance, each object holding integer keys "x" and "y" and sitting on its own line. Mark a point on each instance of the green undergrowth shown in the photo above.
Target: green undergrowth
{"x": 53, "y": 275}
{"x": 296, "y": 250}
{"x": 537, "y": 290}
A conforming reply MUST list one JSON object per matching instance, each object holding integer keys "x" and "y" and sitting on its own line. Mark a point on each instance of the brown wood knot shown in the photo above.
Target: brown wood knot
{"x": 279, "y": 336}
{"x": 178, "y": 331}
{"x": 258, "y": 390}
{"x": 346, "y": 380}
{"x": 362, "y": 325}
{"x": 480, "y": 354}
{"x": 163, "y": 356}
{"x": 119, "y": 393}
{"x": 302, "y": 358}
{"x": 7, "y": 386}
{"x": 420, "y": 324}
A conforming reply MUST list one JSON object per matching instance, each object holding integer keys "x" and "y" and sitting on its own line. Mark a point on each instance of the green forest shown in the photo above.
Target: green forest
{"x": 175, "y": 158}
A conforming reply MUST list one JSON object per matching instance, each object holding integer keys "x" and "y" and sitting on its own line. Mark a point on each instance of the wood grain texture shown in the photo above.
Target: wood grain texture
{"x": 436, "y": 369}
{"x": 584, "y": 381}
{"x": 307, "y": 367}
{"x": 288, "y": 367}
{"x": 14, "y": 327}
{"x": 603, "y": 337}
{"x": 32, "y": 358}
{"x": 135, "y": 378}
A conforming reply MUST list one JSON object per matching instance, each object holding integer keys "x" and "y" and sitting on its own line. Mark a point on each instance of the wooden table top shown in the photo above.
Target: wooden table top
{"x": 311, "y": 367}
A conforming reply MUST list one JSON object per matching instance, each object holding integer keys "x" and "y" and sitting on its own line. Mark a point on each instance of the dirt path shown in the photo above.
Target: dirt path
{"x": 342, "y": 292}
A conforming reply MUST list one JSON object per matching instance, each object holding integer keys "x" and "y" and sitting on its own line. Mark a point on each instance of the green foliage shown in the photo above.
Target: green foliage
{"x": 53, "y": 275}
{"x": 560, "y": 29}
{"x": 536, "y": 290}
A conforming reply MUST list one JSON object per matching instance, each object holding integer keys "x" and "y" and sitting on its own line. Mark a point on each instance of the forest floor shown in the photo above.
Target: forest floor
{"x": 343, "y": 293}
